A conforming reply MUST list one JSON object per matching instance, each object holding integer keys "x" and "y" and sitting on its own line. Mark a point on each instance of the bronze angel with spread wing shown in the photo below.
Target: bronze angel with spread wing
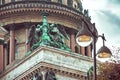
{"x": 52, "y": 35}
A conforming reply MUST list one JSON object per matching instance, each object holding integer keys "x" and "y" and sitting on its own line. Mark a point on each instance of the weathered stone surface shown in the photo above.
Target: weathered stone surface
{"x": 64, "y": 78}
{"x": 49, "y": 55}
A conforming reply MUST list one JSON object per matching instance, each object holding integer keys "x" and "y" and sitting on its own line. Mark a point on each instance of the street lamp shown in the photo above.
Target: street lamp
{"x": 86, "y": 36}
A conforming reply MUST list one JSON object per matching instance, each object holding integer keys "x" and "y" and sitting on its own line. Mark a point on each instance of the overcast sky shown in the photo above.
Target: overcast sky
{"x": 106, "y": 15}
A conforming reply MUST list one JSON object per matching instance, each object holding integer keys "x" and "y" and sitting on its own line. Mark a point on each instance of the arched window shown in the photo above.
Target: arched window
{"x": 75, "y": 4}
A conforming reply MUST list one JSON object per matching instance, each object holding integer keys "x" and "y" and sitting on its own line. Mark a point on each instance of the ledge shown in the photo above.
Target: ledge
{"x": 48, "y": 55}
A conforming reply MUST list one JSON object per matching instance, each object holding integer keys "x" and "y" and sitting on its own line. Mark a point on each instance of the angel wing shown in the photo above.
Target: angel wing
{"x": 62, "y": 31}
{"x": 33, "y": 37}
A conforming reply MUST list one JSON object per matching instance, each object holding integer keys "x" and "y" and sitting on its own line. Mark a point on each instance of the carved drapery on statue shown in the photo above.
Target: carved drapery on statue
{"x": 47, "y": 34}
{"x": 50, "y": 75}
{"x": 37, "y": 76}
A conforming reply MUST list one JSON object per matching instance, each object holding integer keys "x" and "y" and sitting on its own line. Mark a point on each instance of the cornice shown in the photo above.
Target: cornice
{"x": 59, "y": 70}
{"x": 38, "y": 6}
{"x": 48, "y": 66}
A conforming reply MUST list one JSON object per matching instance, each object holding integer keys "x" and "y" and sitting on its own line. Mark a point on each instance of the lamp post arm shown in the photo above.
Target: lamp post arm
{"x": 103, "y": 38}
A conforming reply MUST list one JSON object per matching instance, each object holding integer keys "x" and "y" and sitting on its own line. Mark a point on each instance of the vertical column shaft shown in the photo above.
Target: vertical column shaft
{"x": 1, "y": 56}
{"x": 27, "y": 46}
{"x": 89, "y": 51}
{"x": 72, "y": 42}
{"x": 5, "y": 55}
{"x": 12, "y": 44}
{"x": 82, "y": 50}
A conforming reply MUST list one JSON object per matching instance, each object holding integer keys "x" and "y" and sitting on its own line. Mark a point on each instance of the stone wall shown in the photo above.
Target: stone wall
{"x": 20, "y": 38}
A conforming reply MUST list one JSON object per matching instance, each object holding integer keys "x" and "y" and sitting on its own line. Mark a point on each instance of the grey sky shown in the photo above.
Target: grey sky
{"x": 106, "y": 15}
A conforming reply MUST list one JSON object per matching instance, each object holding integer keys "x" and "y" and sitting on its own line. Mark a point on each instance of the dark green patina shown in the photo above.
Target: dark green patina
{"x": 47, "y": 34}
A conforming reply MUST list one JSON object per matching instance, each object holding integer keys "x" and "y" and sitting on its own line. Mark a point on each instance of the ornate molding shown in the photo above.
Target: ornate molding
{"x": 44, "y": 67}
{"x": 48, "y": 58}
{"x": 33, "y": 6}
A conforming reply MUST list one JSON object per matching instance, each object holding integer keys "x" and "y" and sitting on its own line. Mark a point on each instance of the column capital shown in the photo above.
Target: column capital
{"x": 71, "y": 31}
{"x": 27, "y": 24}
{"x": 12, "y": 26}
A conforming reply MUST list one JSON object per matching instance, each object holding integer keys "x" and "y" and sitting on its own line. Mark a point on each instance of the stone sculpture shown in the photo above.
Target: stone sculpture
{"x": 50, "y": 75}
